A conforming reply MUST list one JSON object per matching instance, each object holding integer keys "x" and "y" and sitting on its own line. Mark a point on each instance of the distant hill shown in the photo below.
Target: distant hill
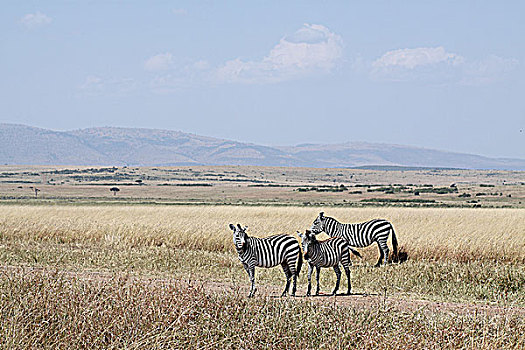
{"x": 20, "y": 144}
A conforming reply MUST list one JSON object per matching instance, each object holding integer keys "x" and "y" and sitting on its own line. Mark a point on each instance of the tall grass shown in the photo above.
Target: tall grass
{"x": 425, "y": 234}
{"x": 58, "y": 312}
{"x": 478, "y": 281}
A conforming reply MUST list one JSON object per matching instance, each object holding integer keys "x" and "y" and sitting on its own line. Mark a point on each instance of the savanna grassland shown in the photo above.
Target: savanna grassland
{"x": 153, "y": 265}
{"x": 249, "y": 185}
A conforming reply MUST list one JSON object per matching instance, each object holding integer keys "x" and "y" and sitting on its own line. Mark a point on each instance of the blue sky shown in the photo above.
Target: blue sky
{"x": 444, "y": 75}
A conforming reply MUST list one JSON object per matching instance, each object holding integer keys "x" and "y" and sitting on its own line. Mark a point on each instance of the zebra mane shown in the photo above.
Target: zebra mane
{"x": 333, "y": 219}
{"x": 345, "y": 224}
{"x": 326, "y": 240}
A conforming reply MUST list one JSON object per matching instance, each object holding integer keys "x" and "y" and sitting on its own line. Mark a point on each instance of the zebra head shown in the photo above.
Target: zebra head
{"x": 239, "y": 236}
{"x": 318, "y": 225}
{"x": 307, "y": 240}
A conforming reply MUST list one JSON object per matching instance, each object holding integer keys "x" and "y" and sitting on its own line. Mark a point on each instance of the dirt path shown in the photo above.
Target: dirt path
{"x": 358, "y": 300}
{"x": 363, "y": 300}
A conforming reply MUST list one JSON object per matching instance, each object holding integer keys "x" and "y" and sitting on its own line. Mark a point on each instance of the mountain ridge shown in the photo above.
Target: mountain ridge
{"x": 22, "y": 144}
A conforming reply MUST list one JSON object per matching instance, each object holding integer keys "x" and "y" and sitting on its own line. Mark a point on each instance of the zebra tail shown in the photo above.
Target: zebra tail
{"x": 394, "y": 244}
{"x": 356, "y": 253}
{"x": 299, "y": 262}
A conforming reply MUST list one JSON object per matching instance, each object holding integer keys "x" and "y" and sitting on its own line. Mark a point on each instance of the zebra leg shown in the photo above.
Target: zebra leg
{"x": 318, "y": 269}
{"x": 251, "y": 274}
{"x": 338, "y": 275}
{"x": 293, "y": 271}
{"x": 384, "y": 247}
{"x": 381, "y": 255}
{"x": 288, "y": 274}
{"x": 347, "y": 271}
{"x": 310, "y": 270}
{"x": 347, "y": 262}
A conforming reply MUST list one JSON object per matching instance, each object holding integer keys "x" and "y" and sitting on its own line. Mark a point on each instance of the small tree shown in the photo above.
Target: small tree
{"x": 114, "y": 190}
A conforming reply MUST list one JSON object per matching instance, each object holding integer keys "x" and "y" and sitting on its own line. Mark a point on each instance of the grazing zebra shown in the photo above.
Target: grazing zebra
{"x": 359, "y": 235}
{"x": 328, "y": 253}
{"x": 268, "y": 252}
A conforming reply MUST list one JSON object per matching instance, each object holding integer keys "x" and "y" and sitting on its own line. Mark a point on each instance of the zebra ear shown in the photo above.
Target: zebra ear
{"x": 321, "y": 214}
{"x": 232, "y": 227}
{"x": 310, "y": 235}
{"x": 300, "y": 234}
{"x": 242, "y": 230}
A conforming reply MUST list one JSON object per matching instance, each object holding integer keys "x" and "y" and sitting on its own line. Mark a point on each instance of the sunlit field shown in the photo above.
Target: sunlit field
{"x": 151, "y": 266}
{"x": 425, "y": 234}
{"x": 57, "y": 311}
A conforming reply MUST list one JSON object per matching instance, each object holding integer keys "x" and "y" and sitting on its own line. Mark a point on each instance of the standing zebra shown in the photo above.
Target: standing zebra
{"x": 328, "y": 253}
{"x": 359, "y": 235}
{"x": 268, "y": 252}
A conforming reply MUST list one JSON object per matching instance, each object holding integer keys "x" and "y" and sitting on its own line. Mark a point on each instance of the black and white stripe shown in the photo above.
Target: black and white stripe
{"x": 328, "y": 253}
{"x": 268, "y": 252}
{"x": 359, "y": 235}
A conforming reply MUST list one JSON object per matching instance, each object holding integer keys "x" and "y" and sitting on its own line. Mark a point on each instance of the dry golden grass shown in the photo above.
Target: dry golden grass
{"x": 56, "y": 311}
{"x": 425, "y": 234}
{"x": 51, "y": 297}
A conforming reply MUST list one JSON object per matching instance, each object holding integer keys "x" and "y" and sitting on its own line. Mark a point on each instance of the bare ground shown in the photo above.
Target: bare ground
{"x": 355, "y": 300}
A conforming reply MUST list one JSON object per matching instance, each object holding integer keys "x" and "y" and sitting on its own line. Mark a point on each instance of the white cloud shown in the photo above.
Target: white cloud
{"x": 421, "y": 56}
{"x": 436, "y": 65}
{"x": 311, "y": 49}
{"x": 159, "y": 62}
{"x": 428, "y": 64}
{"x": 33, "y": 20}
{"x": 314, "y": 49}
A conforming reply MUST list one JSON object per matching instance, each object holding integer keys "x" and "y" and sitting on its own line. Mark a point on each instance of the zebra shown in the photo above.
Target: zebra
{"x": 268, "y": 252}
{"x": 359, "y": 235}
{"x": 328, "y": 253}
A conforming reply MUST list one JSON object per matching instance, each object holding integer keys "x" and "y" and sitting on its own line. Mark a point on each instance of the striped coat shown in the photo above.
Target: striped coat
{"x": 360, "y": 234}
{"x": 268, "y": 252}
{"x": 328, "y": 253}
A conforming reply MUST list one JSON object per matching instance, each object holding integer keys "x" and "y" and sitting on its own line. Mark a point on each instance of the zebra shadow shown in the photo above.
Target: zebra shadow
{"x": 401, "y": 257}
{"x": 327, "y": 295}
